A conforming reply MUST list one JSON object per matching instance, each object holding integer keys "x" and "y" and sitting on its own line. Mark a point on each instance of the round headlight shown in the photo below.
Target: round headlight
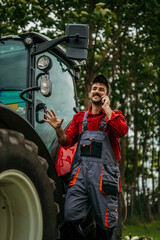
{"x": 44, "y": 63}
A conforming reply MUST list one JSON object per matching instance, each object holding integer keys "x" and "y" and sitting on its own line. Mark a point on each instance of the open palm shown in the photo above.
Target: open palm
{"x": 52, "y": 119}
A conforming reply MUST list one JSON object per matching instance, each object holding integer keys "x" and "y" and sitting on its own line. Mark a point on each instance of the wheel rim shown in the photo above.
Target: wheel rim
{"x": 20, "y": 207}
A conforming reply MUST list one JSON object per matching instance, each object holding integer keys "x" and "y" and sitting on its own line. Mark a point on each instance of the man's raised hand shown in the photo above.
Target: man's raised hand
{"x": 52, "y": 119}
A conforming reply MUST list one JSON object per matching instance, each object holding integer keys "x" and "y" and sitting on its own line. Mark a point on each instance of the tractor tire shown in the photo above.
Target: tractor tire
{"x": 27, "y": 207}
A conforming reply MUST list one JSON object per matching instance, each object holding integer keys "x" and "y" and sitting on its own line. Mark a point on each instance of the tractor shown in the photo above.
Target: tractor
{"x": 36, "y": 73}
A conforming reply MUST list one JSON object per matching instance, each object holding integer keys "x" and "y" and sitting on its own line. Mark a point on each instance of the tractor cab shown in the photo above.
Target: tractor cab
{"x": 37, "y": 74}
{"x": 14, "y": 79}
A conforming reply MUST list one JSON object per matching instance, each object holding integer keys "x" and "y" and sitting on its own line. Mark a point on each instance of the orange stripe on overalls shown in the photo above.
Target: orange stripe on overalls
{"x": 100, "y": 186}
{"x": 72, "y": 182}
{"x": 106, "y": 219}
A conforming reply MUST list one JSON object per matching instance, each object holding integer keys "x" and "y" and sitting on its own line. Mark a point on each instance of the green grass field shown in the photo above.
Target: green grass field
{"x": 138, "y": 229}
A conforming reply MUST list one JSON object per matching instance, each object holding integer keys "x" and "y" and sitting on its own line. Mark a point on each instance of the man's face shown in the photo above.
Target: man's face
{"x": 97, "y": 91}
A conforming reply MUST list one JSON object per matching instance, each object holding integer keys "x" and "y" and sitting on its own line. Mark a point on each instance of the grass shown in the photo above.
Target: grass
{"x": 137, "y": 229}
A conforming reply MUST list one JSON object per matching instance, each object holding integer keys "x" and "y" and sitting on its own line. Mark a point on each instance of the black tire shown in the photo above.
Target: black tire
{"x": 19, "y": 162}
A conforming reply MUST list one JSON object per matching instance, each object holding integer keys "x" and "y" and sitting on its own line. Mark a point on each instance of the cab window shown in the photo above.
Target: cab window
{"x": 13, "y": 73}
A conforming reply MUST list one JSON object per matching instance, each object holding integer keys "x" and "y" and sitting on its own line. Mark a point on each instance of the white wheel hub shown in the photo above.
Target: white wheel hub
{"x": 20, "y": 207}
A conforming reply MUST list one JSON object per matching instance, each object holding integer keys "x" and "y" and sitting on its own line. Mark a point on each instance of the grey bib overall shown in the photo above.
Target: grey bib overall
{"x": 94, "y": 179}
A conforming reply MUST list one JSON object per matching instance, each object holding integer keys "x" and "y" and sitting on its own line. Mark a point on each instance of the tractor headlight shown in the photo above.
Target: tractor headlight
{"x": 44, "y": 63}
{"x": 46, "y": 85}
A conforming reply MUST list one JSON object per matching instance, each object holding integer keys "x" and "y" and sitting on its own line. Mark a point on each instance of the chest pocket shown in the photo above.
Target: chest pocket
{"x": 91, "y": 146}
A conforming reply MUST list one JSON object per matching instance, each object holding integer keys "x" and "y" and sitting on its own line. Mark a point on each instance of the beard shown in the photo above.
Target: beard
{"x": 97, "y": 102}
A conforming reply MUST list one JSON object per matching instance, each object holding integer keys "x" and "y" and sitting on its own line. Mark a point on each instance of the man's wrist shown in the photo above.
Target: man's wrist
{"x": 58, "y": 129}
{"x": 61, "y": 135}
{"x": 108, "y": 112}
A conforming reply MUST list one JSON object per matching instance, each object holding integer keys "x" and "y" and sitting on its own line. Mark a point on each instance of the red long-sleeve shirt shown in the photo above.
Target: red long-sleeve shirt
{"x": 116, "y": 128}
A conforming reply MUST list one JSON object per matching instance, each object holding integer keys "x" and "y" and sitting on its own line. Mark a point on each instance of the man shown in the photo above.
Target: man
{"x": 95, "y": 173}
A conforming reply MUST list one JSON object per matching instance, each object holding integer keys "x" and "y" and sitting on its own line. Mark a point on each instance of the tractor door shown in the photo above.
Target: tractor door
{"x": 62, "y": 100}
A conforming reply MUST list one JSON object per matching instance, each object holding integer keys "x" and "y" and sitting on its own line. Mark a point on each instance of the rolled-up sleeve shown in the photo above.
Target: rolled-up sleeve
{"x": 117, "y": 124}
{"x": 72, "y": 134}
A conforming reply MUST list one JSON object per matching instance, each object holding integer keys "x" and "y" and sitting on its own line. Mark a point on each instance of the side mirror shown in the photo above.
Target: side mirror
{"x": 77, "y": 43}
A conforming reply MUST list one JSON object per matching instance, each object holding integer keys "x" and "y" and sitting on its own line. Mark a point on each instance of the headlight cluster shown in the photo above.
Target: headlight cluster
{"x": 44, "y": 63}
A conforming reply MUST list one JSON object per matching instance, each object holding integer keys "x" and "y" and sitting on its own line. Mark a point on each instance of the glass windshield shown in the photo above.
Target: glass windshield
{"x": 62, "y": 100}
{"x": 13, "y": 64}
{"x": 13, "y": 72}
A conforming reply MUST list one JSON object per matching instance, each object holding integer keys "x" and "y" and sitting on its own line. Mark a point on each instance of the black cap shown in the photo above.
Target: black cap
{"x": 101, "y": 79}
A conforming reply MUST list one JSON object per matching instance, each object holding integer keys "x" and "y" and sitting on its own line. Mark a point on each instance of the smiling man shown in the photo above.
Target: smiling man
{"x": 95, "y": 172}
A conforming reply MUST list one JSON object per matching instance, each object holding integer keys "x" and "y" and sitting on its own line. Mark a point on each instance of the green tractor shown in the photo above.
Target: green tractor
{"x": 36, "y": 74}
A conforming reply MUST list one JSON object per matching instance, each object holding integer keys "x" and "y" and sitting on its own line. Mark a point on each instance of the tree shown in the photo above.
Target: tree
{"x": 124, "y": 45}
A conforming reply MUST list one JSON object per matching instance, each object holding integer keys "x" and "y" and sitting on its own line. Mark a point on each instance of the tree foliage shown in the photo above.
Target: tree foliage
{"x": 124, "y": 44}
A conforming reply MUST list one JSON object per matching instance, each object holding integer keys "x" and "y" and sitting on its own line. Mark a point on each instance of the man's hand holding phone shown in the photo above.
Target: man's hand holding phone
{"x": 105, "y": 100}
{"x": 106, "y": 106}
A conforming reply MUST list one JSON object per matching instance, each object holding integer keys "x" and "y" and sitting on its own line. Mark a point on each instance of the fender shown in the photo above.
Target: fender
{"x": 10, "y": 119}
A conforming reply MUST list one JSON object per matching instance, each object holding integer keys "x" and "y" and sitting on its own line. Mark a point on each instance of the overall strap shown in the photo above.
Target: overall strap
{"x": 103, "y": 124}
{"x": 85, "y": 122}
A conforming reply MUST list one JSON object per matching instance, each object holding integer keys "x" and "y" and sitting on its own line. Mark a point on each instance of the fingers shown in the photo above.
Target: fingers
{"x": 105, "y": 97}
{"x": 45, "y": 120}
{"x": 61, "y": 121}
{"x": 105, "y": 100}
{"x": 46, "y": 115}
{"x": 49, "y": 112}
{"x": 52, "y": 118}
{"x": 53, "y": 113}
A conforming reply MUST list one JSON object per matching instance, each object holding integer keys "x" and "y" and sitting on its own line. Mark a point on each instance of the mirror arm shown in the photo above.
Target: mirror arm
{"x": 45, "y": 46}
{"x": 76, "y": 36}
